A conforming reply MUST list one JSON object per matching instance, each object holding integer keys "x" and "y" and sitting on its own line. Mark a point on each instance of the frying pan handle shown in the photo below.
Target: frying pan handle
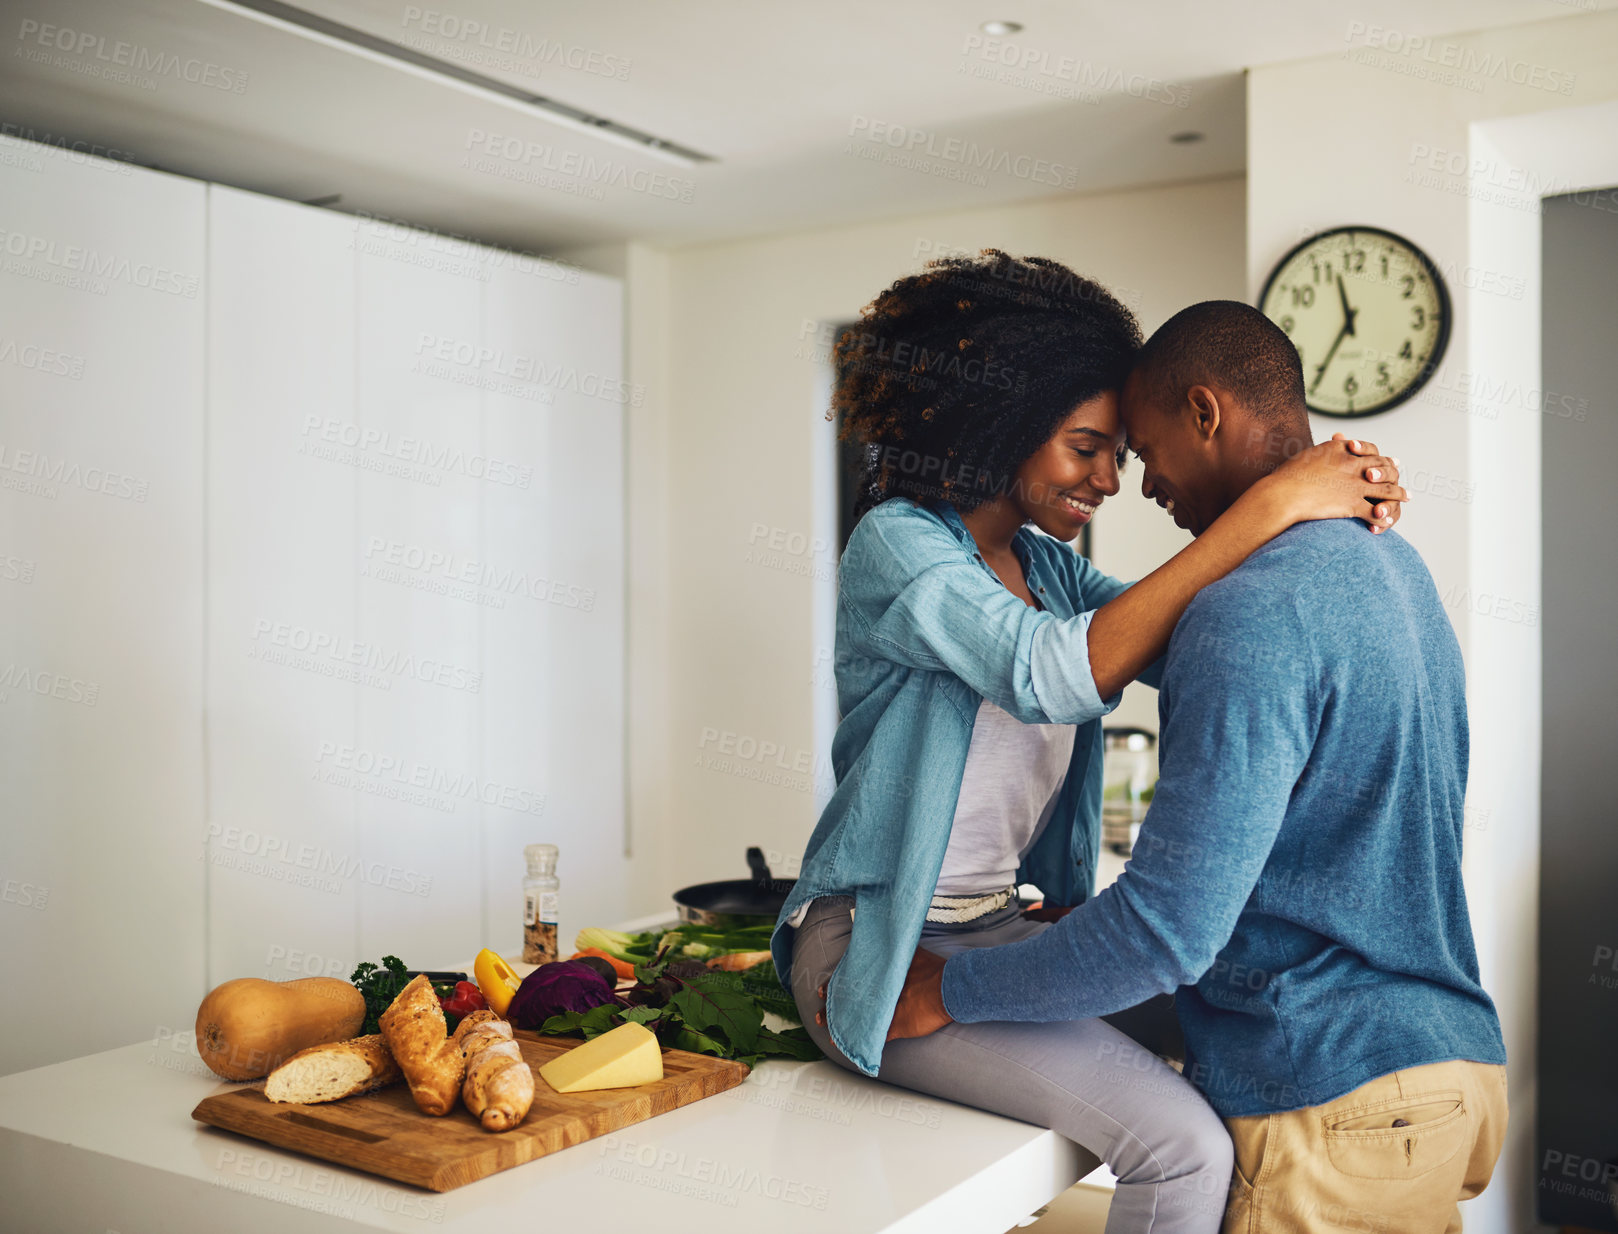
{"x": 759, "y": 867}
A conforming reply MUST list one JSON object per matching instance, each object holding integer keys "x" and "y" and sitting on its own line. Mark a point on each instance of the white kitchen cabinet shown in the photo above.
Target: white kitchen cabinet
{"x": 101, "y": 598}
{"x": 284, "y": 860}
{"x": 421, "y": 508}
{"x": 351, "y": 613}
{"x": 554, "y": 644}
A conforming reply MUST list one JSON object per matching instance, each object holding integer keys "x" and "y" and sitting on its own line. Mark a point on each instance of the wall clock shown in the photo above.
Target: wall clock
{"x": 1369, "y": 314}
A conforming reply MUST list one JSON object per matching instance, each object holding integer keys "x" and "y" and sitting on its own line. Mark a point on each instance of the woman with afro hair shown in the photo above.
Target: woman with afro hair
{"x": 975, "y": 659}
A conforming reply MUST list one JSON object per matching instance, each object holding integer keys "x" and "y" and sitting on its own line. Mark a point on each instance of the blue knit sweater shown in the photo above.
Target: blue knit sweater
{"x": 1299, "y": 871}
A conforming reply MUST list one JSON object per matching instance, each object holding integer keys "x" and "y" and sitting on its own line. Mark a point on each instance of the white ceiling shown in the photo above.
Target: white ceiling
{"x": 784, "y": 97}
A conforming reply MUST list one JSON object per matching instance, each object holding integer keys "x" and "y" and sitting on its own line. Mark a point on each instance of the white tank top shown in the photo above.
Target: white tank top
{"x": 1014, "y": 773}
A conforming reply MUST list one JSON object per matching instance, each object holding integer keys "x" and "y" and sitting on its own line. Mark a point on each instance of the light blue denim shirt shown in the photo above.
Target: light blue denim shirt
{"x": 925, "y": 632}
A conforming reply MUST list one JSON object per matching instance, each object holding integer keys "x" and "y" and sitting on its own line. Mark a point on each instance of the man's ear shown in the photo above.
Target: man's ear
{"x": 1205, "y": 411}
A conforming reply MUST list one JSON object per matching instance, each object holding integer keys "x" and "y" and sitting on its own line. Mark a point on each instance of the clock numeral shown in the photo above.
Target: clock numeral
{"x": 1405, "y": 353}
{"x": 1354, "y": 262}
{"x": 1287, "y": 323}
{"x": 1410, "y": 286}
{"x": 1384, "y": 265}
{"x": 1350, "y": 386}
{"x": 1304, "y": 296}
{"x": 1419, "y": 317}
{"x": 1383, "y": 378}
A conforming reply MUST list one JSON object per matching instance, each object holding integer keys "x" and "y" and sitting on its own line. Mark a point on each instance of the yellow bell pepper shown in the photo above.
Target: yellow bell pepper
{"x": 496, "y": 980}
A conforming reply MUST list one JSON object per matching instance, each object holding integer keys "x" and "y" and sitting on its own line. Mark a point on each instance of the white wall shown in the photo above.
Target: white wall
{"x": 723, "y": 338}
{"x": 1380, "y": 136}
{"x": 361, "y": 640}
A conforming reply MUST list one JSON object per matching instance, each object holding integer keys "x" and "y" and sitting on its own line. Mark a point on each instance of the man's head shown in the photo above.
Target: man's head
{"x": 1215, "y": 401}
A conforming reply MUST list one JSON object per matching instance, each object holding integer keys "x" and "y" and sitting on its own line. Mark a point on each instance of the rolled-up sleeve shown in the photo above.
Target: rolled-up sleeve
{"x": 1057, "y": 646}
{"x": 915, "y": 598}
{"x": 1098, "y": 588}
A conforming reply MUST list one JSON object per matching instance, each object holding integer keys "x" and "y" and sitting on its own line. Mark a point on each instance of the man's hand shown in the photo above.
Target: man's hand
{"x": 921, "y": 1002}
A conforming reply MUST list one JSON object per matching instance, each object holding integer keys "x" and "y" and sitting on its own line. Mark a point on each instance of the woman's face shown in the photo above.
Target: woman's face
{"x": 1065, "y": 481}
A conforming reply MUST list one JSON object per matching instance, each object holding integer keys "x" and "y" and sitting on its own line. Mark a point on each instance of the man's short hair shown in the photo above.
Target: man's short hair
{"x": 1233, "y": 346}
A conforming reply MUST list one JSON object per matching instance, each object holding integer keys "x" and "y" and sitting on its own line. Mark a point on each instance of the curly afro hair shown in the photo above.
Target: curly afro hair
{"x": 955, "y": 376}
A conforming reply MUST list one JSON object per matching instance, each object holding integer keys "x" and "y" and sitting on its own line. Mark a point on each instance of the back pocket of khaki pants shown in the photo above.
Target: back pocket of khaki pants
{"x": 1363, "y": 1142}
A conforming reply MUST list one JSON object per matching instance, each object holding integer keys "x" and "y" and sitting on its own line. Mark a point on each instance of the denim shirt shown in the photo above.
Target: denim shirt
{"x": 925, "y": 632}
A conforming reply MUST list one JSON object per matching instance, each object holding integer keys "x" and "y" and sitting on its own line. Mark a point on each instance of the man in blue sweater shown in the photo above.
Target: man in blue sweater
{"x": 1299, "y": 873}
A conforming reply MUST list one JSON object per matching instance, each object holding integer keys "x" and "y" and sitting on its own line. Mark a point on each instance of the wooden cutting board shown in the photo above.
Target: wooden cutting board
{"x": 384, "y": 1133}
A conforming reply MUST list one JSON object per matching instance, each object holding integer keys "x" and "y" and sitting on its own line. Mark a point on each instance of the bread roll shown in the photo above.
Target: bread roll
{"x": 413, "y": 1027}
{"x": 333, "y": 1071}
{"x": 499, "y": 1086}
{"x": 477, "y": 1024}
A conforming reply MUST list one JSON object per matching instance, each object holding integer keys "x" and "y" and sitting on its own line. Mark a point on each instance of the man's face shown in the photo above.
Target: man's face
{"x": 1178, "y": 463}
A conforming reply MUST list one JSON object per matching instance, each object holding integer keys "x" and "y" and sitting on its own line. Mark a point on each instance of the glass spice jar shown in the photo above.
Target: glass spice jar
{"x": 540, "y": 908}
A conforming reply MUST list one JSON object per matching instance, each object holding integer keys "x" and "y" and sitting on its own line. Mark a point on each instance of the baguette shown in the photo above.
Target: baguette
{"x": 499, "y": 1086}
{"x": 476, "y": 1022}
{"x": 333, "y": 1071}
{"x": 414, "y": 1029}
{"x": 482, "y": 1035}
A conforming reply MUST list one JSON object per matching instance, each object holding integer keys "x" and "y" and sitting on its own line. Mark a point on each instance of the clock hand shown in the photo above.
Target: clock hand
{"x": 1320, "y": 369}
{"x": 1349, "y": 314}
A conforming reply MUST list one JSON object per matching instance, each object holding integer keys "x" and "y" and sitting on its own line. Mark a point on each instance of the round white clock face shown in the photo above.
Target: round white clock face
{"x": 1368, "y": 313}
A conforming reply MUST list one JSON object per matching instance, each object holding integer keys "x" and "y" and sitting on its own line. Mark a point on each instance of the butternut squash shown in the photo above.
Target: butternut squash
{"x": 248, "y": 1027}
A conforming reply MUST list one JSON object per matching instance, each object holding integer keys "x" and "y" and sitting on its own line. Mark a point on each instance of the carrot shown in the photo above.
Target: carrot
{"x": 618, "y": 966}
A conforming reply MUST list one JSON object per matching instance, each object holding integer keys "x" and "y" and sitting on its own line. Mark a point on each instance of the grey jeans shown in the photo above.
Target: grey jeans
{"x": 1083, "y": 1079}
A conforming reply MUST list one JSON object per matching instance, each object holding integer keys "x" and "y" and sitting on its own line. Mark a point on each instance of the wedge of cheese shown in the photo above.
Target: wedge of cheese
{"x": 625, "y": 1056}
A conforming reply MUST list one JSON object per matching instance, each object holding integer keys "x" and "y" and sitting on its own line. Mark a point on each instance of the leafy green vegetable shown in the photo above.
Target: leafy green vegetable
{"x": 691, "y": 941}
{"x": 591, "y": 1023}
{"x": 563, "y": 1025}
{"x": 692, "y": 1007}
{"x": 630, "y": 948}
{"x": 794, "y": 1043}
{"x": 705, "y": 1004}
{"x": 699, "y": 1043}
{"x": 380, "y": 985}
{"x": 763, "y": 984}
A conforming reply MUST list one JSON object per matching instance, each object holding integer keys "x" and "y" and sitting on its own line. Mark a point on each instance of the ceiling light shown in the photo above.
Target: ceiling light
{"x": 999, "y": 28}
{"x": 319, "y": 29}
{"x": 1188, "y": 138}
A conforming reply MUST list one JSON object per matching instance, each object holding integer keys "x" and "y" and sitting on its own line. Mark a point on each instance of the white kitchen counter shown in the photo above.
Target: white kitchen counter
{"x": 107, "y": 1143}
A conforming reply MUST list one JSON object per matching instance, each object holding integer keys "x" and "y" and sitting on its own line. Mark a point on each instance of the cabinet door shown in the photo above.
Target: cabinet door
{"x": 101, "y": 516}
{"x": 420, "y": 554}
{"x": 285, "y": 866}
{"x": 554, "y": 647}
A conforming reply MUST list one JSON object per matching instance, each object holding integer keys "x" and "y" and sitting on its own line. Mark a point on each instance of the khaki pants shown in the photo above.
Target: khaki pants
{"x": 1393, "y": 1155}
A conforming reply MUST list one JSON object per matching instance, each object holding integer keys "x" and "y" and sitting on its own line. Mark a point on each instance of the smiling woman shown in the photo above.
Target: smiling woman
{"x": 956, "y": 376}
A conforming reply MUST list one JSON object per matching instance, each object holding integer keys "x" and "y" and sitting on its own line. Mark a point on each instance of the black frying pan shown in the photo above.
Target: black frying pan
{"x": 736, "y": 902}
